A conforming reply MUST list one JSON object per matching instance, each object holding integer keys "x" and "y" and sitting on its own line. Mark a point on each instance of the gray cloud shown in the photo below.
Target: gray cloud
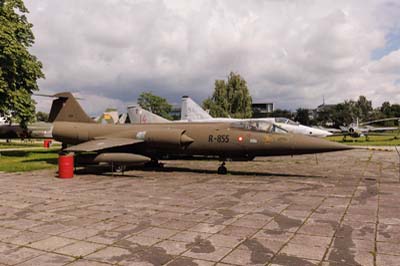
{"x": 290, "y": 52}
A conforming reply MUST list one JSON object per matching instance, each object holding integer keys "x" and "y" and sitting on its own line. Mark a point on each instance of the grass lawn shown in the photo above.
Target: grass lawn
{"x": 389, "y": 140}
{"x": 22, "y": 144}
{"x": 21, "y": 161}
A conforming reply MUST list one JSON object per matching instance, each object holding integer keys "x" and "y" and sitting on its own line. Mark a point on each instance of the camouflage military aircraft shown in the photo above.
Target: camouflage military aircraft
{"x": 9, "y": 130}
{"x": 128, "y": 143}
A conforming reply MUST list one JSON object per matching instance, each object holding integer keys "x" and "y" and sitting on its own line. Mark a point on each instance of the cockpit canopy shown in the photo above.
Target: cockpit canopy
{"x": 285, "y": 120}
{"x": 260, "y": 126}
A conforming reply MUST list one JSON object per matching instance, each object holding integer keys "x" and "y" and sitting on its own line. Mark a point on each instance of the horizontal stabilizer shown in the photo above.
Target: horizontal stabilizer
{"x": 102, "y": 144}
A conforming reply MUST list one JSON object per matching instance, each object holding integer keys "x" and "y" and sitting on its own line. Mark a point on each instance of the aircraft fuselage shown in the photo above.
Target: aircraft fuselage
{"x": 209, "y": 139}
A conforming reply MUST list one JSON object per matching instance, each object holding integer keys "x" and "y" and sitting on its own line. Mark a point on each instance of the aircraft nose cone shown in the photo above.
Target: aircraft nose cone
{"x": 319, "y": 132}
{"x": 305, "y": 144}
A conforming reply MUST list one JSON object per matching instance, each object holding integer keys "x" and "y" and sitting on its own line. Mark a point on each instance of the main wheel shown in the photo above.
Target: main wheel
{"x": 120, "y": 168}
{"x": 154, "y": 164}
{"x": 222, "y": 170}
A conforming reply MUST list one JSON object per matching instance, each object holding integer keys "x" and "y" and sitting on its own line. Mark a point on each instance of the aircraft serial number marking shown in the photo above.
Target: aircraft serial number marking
{"x": 218, "y": 138}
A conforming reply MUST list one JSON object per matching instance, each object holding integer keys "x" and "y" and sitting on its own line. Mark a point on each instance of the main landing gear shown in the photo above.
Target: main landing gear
{"x": 154, "y": 164}
{"x": 222, "y": 169}
{"x": 118, "y": 168}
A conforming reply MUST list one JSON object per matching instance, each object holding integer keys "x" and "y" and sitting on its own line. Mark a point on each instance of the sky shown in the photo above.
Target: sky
{"x": 293, "y": 53}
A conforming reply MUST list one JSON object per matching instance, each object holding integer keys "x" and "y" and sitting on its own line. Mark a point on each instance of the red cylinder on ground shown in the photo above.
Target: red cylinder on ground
{"x": 66, "y": 166}
{"x": 46, "y": 143}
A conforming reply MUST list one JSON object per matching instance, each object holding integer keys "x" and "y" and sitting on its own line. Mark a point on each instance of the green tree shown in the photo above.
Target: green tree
{"x": 302, "y": 116}
{"x": 42, "y": 116}
{"x": 155, "y": 104}
{"x": 19, "y": 70}
{"x": 230, "y": 98}
{"x": 344, "y": 113}
{"x": 363, "y": 108}
{"x": 386, "y": 109}
{"x": 395, "y": 110}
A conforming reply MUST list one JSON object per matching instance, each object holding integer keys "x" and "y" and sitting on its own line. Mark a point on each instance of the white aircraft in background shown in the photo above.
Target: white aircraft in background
{"x": 192, "y": 112}
{"x": 138, "y": 115}
{"x": 111, "y": 116}
{"x": 357, "y": 129}
{"x": 4, "y": 120}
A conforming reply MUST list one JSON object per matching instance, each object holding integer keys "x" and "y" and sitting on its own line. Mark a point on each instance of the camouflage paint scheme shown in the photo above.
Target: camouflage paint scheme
{"x": 157, "y": 141}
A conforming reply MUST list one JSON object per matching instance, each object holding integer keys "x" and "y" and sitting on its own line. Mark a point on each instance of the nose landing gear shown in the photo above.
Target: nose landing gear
{"x": 222, "y": 169}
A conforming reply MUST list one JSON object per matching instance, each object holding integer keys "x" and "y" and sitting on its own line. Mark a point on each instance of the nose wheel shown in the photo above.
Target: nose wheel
{"x": 222, "y": 169}
{"x": 154, "y": 164}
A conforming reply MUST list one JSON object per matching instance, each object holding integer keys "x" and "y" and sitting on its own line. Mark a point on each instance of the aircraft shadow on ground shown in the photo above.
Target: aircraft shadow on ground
{"x": 23, "y": 153}
{"x": 104, "y": 170}
{"x": 15, "y": 153}
{"x": 230, "y": 172}
{"x": 53, "y": 161}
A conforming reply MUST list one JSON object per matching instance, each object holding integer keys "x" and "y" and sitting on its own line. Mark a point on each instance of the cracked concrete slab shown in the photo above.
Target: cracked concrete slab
{"x": 271, "y": 211}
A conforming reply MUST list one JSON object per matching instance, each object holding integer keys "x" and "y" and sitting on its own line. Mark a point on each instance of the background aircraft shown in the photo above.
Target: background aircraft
{"x": 40, "y": 130}
{"x": 111, "y": 116}
{"x": 357, "y": 129}
{"x": 9, "y": 130}
{"x": 124, "y": 144}
{"x": 138, "y": 115}
{"x": 3, "y": 120}
{"x": 191, "y": 111}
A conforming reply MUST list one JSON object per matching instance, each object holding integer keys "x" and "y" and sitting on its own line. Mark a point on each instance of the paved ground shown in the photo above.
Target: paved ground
{"x": 336, "y": 209}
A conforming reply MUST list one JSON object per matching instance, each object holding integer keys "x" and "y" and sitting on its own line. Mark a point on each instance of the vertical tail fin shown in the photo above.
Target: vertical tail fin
{"x": 108, "y": 117}
{"x": 122, "y": 118}
{"x": 138, "y": 115}
{"x": 190, "y": 110}
{"x": 66, "y": 108}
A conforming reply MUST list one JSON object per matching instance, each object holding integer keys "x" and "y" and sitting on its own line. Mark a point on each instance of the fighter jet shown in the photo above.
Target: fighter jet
{"x": 357, "y": 129}
{"x": 3, "y": 120}
{"x": 129, "y": 143}
{"x": 10, "y": 130}
{"x": 37, "y": 130}
{"x": 111, "y": 116}
{"x": 191, "y": 111}
{"x": 138, "y": 115}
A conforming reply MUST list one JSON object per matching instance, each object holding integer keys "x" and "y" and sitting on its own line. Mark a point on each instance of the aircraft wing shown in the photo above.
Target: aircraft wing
{"x": 375, "y": 129}
{"x": 104, "y": 143}
{"x": 380, "y": 120}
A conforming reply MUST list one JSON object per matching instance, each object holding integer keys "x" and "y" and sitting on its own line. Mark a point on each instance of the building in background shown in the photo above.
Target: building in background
{"x": 261, "y": 109}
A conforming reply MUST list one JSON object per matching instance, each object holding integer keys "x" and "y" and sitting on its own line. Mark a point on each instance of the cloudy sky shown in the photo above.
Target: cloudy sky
{"x": 290, "y": 52}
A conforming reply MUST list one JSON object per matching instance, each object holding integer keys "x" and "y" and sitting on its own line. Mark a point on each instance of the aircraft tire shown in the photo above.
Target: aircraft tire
{"x": 120, "y": 168}
{"x": 222, "y": 170}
